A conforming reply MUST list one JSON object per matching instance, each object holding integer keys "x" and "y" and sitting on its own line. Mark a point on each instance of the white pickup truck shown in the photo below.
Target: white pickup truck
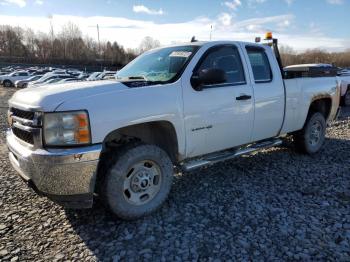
{"x": 183, "y": 106}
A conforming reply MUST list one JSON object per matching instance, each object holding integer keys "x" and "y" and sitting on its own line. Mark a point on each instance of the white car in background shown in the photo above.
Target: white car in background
{"x": 46, "y": 78}
{"x": 10, "y": 79}
{"x": 24, "y": 83}
{"x": 93, "y": 76}
{"x": 106, "y": 75}
{"x": 68, "y": 80}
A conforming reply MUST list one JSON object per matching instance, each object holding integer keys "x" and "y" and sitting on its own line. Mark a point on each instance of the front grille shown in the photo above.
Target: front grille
{"x": 22, "y": 114}
{"x": 23, "y": 135}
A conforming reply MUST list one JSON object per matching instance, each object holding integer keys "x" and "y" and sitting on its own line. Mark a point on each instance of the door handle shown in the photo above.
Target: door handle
{"x": 243, "y": 97}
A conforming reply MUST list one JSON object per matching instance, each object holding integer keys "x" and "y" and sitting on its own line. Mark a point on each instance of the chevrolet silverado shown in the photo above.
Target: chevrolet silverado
{"x": 183, "y": 106}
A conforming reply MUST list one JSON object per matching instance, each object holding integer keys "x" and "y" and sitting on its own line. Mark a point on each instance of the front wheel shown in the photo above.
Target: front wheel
{"x": 138, "y": 180}
{"x": 311, "y": 138}
{"x": 7, "y": 83}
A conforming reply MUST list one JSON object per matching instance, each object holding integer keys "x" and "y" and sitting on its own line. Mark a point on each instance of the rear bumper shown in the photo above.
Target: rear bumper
{"x": 66, "y": 176}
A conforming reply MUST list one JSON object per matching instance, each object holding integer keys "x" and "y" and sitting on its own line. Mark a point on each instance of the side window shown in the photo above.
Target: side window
{"x": 23, "y": 74}
{"x": 226, "y": 58}
{"x": 260, "y": 64}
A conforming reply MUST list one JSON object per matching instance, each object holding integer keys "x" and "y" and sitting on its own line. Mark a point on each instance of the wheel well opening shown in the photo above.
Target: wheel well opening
{"x": 322, "y": 105}
{"x": 160, "y": 133}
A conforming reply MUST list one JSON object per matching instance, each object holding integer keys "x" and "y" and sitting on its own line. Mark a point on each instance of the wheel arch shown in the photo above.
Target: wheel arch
{"x": 161, "y": 133}
{"x": 322, "y": 104}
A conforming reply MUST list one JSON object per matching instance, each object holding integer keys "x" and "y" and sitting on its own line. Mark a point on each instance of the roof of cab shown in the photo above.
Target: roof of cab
{"x": 202, "y": 43}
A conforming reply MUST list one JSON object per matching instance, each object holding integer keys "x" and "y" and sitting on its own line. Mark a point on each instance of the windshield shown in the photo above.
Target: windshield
{"x": 161, "y": 65}
{"x": 93, "y": 75}
{"x": 33, "y": 78}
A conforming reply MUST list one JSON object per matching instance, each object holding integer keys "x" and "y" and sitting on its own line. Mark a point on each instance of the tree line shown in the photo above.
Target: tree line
{"x": 67, "y": 47}
{"x": 291, "y": 57}
{"x": 70, "y": 47}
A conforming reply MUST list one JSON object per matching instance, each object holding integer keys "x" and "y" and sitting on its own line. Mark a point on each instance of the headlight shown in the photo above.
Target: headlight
{"x": 66, "y": 128}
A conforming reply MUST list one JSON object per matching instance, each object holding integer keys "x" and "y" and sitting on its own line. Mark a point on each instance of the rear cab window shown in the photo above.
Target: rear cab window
{"x": 260, "y": 64}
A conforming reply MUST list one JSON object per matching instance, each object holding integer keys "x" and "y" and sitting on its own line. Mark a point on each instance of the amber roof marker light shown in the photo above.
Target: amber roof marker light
{"x": 268, "y": 36}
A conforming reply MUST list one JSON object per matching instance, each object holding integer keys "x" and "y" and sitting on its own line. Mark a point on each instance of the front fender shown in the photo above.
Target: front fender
{"x": 132, "y": 106}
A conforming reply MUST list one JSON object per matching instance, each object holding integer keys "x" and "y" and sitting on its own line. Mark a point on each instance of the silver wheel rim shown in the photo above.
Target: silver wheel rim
{"x": 142, "y": 182}
{"x": 315, "y": 133}
{"x": 7, "y": 84}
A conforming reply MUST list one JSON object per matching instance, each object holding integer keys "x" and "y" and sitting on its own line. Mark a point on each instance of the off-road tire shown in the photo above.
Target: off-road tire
{"x": 117, "y": 169}
{"x": 303, "y": 137}
{"x": 7, "y": 83}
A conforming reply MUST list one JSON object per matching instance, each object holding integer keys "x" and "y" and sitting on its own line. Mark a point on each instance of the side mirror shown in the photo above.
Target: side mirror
{"x": 210, "y": 76}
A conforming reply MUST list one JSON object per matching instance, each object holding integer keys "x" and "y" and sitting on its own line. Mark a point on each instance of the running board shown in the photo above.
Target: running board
{"x": 226, "y": 155}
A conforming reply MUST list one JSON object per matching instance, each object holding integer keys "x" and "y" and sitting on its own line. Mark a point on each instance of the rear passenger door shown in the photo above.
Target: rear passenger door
{"x": 268, "y": 92}
{"x": 219, "y": 116}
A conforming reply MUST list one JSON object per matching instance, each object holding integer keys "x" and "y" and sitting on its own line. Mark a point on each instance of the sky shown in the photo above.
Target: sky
{"x": 300, "y": 24}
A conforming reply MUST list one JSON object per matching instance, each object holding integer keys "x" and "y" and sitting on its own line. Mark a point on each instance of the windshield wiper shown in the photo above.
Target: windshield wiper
{"x": 137, "y": 78}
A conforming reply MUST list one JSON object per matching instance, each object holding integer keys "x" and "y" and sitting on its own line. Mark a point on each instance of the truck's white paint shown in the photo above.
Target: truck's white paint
{"x": 204, "y": 121}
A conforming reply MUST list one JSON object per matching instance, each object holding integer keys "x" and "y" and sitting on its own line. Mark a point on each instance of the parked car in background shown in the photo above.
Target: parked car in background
{"x": 345, "y": 72}
{"x": 83, "y": 76}
{"x": 48, "y": 77}
{"x": 50, "y": 81}
{"x": 106, "y": 75}
{"x": 41, "y": 72}
{"x": 10, "y": 79}
{"x": 24, "y": 83}
{"x": 93, "y": 76}
{"x": 68, "y": 80}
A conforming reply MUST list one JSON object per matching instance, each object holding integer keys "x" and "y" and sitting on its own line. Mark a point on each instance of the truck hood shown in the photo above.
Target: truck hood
{"x": 49, "y": 97}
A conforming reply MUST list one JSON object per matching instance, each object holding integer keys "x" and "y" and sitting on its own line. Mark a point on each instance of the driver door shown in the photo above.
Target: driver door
{"x": 220, "y": 116}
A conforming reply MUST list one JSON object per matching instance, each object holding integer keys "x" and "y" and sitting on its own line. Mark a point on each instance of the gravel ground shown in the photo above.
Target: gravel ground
{"x": 273, "y": 205}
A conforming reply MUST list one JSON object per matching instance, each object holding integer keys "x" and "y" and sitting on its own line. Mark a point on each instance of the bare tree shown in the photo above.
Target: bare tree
{"x": 148, "y": 43}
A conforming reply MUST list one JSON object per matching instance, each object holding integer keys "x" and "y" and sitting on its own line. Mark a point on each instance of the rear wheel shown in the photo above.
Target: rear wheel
{"x": 7, "y": 83}
{"x": 311, "y": 138}
{"x": 138, "y": 180}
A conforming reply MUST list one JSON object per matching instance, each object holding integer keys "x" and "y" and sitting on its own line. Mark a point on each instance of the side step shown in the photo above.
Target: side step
{"x": 230, "y": 154}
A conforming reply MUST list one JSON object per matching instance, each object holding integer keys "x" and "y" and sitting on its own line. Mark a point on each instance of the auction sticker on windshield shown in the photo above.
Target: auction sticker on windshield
{"x": 180, "y": 54}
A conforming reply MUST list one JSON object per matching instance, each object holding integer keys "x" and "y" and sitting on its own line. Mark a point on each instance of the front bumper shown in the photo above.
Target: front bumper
{"x": 66, "y": 176}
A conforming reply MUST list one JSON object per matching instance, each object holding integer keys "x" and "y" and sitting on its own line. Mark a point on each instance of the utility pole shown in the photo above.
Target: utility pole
{"x": 211, "y": 29}
{"x": 98, "y": 38}
{"x": 99, "y": 45}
